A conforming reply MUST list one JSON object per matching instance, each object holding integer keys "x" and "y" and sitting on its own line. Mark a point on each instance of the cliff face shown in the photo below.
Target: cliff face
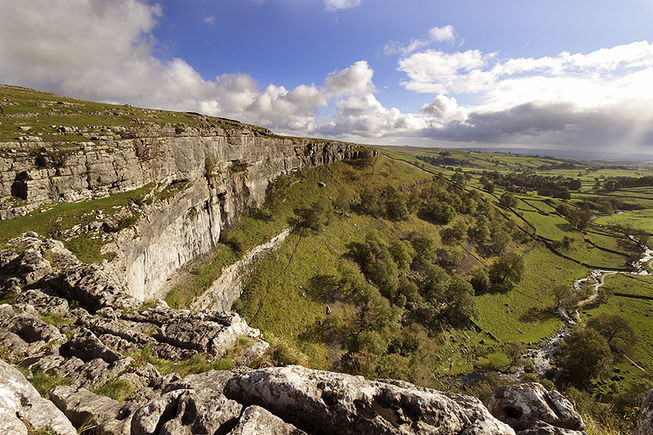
{"x": 225, "y": 174}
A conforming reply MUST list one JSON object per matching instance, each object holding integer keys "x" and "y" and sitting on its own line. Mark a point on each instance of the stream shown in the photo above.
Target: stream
{"x": 543, "y": 357}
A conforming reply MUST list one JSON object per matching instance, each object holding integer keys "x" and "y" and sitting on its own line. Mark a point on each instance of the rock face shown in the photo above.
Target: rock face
{"x": 531, "y": 409}
{"x": 23, "y": 408}
{"x": 228, "y": 172}
{"x": 325, "y": 402}
{"x": 644, "y": 424}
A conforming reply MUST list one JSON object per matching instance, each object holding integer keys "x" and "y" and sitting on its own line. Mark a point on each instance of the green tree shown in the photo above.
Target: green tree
{"x": 460, "y": 306}
{"x": 580, "y": 218}
{"x": 507, "y": 200}
{"x": 439, "y": 212}
{"x": 585, "y": 356}
{"x": 506, "y": 272}
{"x": 317, "y": 216}
{"x": 615, "y": 329}
{"x": 480, "y": 282}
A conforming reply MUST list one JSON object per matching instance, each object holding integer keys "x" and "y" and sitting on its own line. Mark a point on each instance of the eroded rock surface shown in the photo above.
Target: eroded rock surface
{"x": 325, "y": 402}
{"x": 23, "y": 408}
{"x": 532, "y": 409}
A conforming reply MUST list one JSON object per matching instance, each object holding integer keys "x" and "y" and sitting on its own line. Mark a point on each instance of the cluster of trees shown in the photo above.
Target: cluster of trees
{"x": 617, "y": 183}
{"x": 555, "y": 187}
{"x": 579, "y": 217}
{"x": 444, "y": 159}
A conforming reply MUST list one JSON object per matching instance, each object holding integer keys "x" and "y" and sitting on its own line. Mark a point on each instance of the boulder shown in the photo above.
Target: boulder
{"x": 22, "y": 405}
{"x": 523, "y": 406}
{"x": 325, "y": 402}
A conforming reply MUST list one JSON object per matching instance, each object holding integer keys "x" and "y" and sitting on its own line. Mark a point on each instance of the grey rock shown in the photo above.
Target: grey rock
{"x": 644, "y": 425}
{"x": 19, "y": 401}
{"x": 325, "y": 402}
{"x": 87, "y": 347}
{"x": 542, "y": 428}
{"x": 523, "y": 406}
{"x": 259, "y": 421}
{"x": 83, "y": 407}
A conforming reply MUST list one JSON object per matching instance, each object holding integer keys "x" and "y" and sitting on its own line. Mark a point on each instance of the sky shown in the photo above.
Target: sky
{"x": 568, "y": 75}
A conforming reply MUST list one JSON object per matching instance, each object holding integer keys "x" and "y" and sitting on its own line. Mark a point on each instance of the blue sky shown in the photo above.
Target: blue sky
{"x": 555, "y": 74}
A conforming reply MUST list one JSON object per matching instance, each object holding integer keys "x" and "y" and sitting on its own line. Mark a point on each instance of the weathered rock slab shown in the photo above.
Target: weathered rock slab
{"x": 20, "y": 403}
{"x": 324, "y": 402}
{"x": 523, "y": 406}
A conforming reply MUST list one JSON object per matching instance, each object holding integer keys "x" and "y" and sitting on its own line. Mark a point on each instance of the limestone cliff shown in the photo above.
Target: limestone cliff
{"x": 227, "y": 171}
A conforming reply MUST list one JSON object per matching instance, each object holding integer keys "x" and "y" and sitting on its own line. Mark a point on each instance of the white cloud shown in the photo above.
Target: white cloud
{"x": 445, "y": 33}
{"x": 356, "y": 79}
{"x": 209, "y": 20}
{"x": 335, "y": 5}
{"x": 435, "y": 34}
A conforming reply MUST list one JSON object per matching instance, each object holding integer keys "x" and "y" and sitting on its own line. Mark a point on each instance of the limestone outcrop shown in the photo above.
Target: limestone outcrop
{"x": 531, "y": 409}
{"x": 22, "y": 409}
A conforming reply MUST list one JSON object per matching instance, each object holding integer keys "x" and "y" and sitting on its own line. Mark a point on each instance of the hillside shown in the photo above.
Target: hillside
{"x": 141, "y": 243}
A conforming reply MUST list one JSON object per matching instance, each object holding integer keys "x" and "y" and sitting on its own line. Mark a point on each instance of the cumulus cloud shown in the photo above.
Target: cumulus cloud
{"x": 101, "y": 50}
{"x": 104, "y": 51}
{"x": 335, "y": 5}
{"x": 356, "y": 79}
{"x": 209, "y": 20}
{"x": 445, "y": 33}
{"x": 602, "y": 99}
{"x": 435, "y": 34}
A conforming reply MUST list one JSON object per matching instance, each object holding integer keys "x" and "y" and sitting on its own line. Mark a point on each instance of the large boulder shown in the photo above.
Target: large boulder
{"x": 644, "y": 424}
{"x": 325, "y": 402}
{"x": 525, "y": 406}
{"x": 22, "y": 408}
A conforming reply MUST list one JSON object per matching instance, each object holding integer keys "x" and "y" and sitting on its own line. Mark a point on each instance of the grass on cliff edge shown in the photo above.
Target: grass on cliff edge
{"x": 297, "y": 190}
{"x": 49, "y": 220}
{"x": 38, "y": 110}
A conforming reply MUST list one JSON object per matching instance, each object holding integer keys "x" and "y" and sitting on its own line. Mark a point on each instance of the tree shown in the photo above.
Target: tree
{"x": 615, "y": 329}
{"x": 507, "y": 200}
{"x": 580, "y": 218}
{"x": 316, "y": 217}
{"x": 506, "y": 272}
{"x": 514, "y": 350}
{"x": 560, "y": 292}
{"x": 440, "y": 212}
{"x": 459, "y": 302}
{"x": 455, "y": 234}
{"x": 499, "y": 240}
{"x": 585, "y": 356}
{"x": 480, "y": 282}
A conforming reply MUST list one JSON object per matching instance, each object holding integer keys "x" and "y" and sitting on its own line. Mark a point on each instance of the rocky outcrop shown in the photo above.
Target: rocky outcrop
{"x": 91, "y": 345}
{"x": 531, "y": 409}
{"x": 23, "y": 410}
{"x": 644, "y": 423}
{"x": 325, "y": 402}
